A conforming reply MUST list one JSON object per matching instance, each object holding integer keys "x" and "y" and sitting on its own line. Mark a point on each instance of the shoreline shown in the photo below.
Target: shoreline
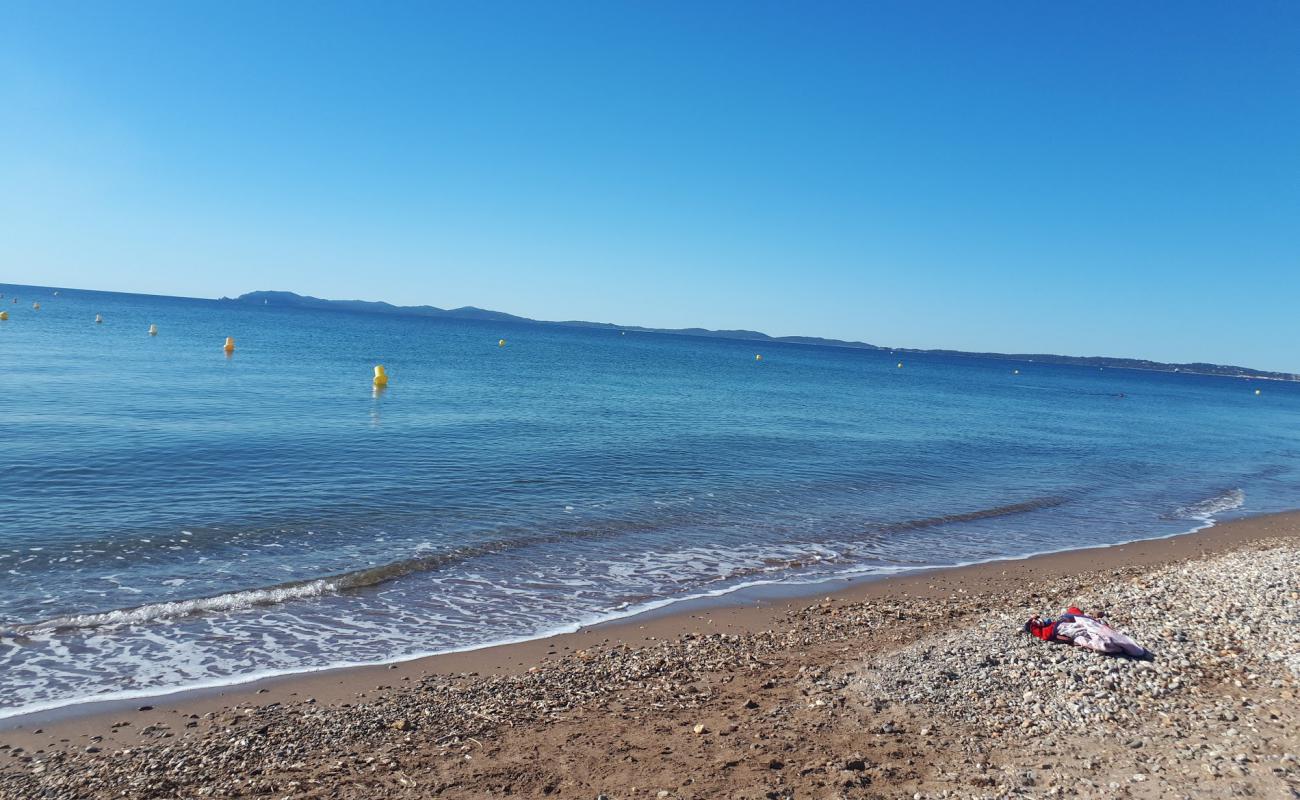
{"x": 740, "y": 610}
{"x": 758, "y": 594}
{"x": 922, "y": 685}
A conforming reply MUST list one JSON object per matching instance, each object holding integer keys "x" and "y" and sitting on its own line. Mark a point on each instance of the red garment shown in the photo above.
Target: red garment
{"x": 1044, "y": 631}
{"x": 1047, "y": 630}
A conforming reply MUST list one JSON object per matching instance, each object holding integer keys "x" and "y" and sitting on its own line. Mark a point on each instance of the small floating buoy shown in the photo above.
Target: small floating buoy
{"x": 4, "y": 315}
{"x": 99, "y": 319}
{"x": 381, "y": 377}
{"x": 501, "y": 342}
{"x": 1015, "y": 372}
{"x": 230, "y": 345}
{"x": 900, "y": 365}
{"x": 56, "y": 292}
{"x": 758, "y": 356}
{"x": 1256, "y": 391}
{"x": 153, "y": 330}
{"x": 36, "y": 306}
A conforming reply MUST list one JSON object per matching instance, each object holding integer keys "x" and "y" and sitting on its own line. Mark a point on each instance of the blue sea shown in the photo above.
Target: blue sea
{"x": 173, "y": 517}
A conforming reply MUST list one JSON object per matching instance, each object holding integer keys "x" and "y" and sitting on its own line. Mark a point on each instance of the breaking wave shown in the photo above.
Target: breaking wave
{"x": 372, "y": 576}
{"x": 1205, "y": 510}
{"x": 265, "y": 596}
{"x": 230, "y": 601}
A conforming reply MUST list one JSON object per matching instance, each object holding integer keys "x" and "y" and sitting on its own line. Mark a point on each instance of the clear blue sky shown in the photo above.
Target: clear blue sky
{"x": 1084, "y": 178}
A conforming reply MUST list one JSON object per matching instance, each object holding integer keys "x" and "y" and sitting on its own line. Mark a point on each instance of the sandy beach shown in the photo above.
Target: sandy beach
{"x": 917, "y": 686}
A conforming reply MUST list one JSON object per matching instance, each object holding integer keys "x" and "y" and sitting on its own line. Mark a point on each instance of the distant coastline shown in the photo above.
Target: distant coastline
{"x": 292, "y": 299}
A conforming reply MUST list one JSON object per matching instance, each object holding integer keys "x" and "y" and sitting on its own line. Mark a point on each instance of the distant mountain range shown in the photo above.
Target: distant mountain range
{"x": 291, "y": 299}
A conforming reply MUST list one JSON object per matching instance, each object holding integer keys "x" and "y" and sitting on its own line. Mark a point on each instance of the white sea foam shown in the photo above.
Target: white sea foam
{"x": 1207, "y": 509}
{"x": 232, "y": 601}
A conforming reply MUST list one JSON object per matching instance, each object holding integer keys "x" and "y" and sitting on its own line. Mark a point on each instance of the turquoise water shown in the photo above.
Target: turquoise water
{"x": 173, "y": 517}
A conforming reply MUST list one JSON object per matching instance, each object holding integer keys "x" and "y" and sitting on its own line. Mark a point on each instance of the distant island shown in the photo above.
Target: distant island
{"x": 291, "y": 299}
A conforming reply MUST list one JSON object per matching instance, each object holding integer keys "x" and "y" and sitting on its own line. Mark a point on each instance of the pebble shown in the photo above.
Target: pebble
{"x": 970, "y": 677}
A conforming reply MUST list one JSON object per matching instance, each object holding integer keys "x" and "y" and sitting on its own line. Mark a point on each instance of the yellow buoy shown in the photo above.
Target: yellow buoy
{"x": 153, "y": 330}
{"x": 758, "y": 356}
{"x": 99, "y": 319}
{"x": 230, "y": 345}
{"x": 381, "y": 377}
{"x": 1256, "y": 391}
{"x": 900, "y": 365}
{"x": 4, "y": 315}
{"x": 501, "y": 342}
{"x": 36, "y": 306}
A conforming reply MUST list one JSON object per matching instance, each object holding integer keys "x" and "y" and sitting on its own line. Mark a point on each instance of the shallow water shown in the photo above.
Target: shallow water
{"x": 173, "y": 517}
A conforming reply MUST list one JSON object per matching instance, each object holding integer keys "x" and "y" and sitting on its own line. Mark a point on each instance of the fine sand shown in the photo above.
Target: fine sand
{"x": 915, "y": 685}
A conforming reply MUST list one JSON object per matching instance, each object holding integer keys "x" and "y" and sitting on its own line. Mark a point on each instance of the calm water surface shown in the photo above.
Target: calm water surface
{"x": 172, "y": 517}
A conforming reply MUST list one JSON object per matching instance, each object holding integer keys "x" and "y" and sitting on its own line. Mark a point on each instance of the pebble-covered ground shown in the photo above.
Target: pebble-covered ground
{"x": 1212, "y": 714}
{"x": 902, "y": 697}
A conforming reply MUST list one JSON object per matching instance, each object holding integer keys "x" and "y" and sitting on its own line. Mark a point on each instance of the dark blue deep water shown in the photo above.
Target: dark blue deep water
{"x": 173, "y": 517}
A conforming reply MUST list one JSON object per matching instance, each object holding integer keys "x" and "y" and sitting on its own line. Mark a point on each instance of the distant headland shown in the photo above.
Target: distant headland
{"x": 292, "y": 299}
